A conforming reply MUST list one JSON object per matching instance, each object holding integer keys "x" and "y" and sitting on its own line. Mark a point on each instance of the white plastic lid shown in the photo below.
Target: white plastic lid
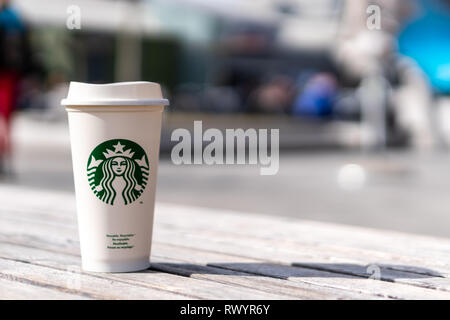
{"x": 139, "y": 93}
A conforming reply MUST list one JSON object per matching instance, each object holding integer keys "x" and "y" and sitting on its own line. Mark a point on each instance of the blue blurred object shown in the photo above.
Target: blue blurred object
{"x": 426, "y": 39}
{"x": 317, "y": 98}
{"x": 10, "y": 20}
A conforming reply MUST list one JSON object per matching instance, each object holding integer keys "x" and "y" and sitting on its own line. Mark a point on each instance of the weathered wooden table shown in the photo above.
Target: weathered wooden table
{"x": 209, "y": 254}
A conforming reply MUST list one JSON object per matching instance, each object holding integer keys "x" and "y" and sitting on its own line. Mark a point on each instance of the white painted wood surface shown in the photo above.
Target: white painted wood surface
{"x": 200, "y": 253}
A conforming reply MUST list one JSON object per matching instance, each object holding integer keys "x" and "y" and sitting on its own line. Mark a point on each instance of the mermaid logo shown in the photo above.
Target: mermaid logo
{"x": 118, "y": 171}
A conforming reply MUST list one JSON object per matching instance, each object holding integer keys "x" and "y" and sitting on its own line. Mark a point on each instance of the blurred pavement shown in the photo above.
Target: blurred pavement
{"x": 403, "y": 191}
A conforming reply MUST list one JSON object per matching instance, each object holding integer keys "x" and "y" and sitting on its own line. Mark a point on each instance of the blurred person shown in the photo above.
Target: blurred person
{"x": 317, "y": 97}
{"x": 367, "y": 58}
{"x": 360, "y": 51}
{"x": 14, "y": 55}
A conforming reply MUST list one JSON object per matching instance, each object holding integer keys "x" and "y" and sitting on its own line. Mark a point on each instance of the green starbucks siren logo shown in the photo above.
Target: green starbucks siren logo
{"x": 117, "y": 171}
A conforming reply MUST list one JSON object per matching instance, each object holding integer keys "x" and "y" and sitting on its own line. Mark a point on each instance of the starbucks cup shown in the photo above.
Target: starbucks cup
{"x": 115, "y": 132}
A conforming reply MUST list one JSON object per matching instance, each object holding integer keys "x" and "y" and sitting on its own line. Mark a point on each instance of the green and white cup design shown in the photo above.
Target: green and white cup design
{"x": 115, "y": 132}
{"x": 118, "y": 171}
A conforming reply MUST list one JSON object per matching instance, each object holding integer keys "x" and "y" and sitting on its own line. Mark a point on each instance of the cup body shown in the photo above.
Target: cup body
{"x": 115, "y": 152}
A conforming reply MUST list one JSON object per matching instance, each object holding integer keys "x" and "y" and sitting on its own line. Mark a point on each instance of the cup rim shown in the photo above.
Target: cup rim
{"x": 116, "y": 102}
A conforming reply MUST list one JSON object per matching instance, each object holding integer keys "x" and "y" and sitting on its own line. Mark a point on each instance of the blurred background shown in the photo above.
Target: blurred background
{"x": 359, "y": 89}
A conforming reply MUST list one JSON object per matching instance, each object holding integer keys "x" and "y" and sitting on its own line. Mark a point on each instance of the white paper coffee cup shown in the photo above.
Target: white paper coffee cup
{"x": 115, "y": 134}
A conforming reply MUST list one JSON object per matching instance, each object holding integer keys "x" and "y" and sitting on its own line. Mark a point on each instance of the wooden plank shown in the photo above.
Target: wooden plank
{"x": 13, "y": 290}
{"x": 367, "y": 257}
{"x": 343, "y": 265}
{"x": 236, "y": 228}
{"x": 310, "y": 276}
{"x": 258, "y": 244}
{"x": 291, "y": 290}
{"x": 89, "y": 286}
{"x": 307, "y": 236}
{"x": 320, "y": 280}
{"x": 193, "y": 287}
{"x": 245, "y": 280}
{"x": 272, "y": 288}
{"x": 267, "y": 251}
{"x": 63, "y": 238}
{"x": 305, "y": 232}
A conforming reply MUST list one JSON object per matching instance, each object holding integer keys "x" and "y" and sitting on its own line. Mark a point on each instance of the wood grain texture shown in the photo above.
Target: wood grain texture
{"x": 152, "y": 279}
{"x": 202, "y": 253}
{"x": 15, "y": 290}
